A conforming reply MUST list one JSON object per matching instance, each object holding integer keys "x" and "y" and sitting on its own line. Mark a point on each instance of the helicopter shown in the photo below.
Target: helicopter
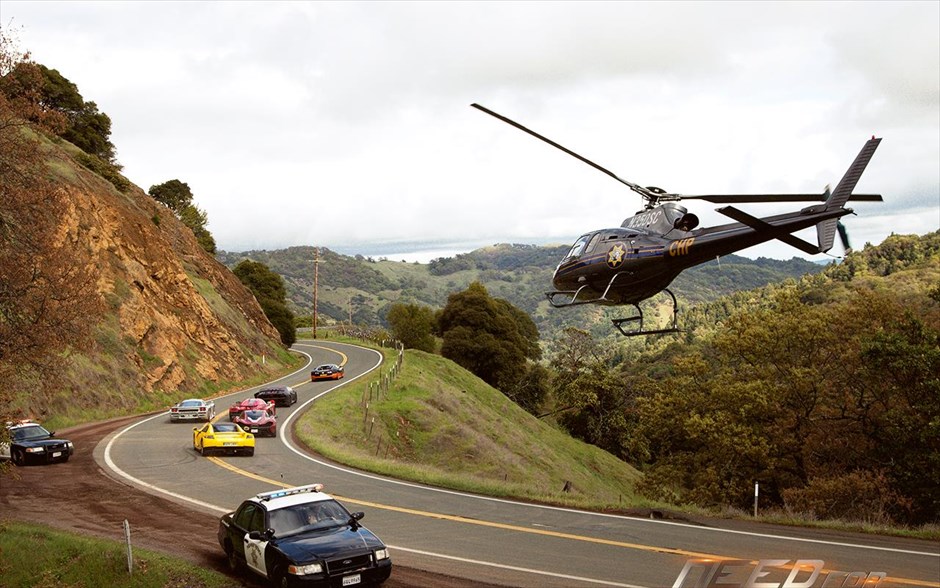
{"x": 639, "y": 259}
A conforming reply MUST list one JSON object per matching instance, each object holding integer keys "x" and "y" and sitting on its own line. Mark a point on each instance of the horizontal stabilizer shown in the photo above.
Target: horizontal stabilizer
{"x": 760, "y": 225}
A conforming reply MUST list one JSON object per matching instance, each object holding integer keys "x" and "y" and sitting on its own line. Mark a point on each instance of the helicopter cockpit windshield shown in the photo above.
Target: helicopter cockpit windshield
{"x": 578, "y": 248}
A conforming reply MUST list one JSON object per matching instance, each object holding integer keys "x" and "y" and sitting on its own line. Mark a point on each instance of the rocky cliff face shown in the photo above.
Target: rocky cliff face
{"x": 174, "y": 318}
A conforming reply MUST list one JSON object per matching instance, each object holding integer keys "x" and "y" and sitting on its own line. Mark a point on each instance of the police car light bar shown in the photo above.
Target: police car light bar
{"x": 289, "y": 491}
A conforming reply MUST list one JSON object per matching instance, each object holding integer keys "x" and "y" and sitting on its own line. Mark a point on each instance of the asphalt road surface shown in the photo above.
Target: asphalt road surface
{"x": 440, "y": 538}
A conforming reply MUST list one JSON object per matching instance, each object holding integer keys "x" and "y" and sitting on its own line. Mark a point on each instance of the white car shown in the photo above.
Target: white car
{"x": 193, "y": 409}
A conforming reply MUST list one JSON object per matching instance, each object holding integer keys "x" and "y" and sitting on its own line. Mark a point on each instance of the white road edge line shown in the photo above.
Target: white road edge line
{"x": 515, "y": 568}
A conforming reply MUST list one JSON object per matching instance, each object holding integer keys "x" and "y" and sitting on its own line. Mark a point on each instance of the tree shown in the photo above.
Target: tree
{"x": 84, "y": 126}
{"x": 269, "y": 291}
{"x": 196, "y": 219}
{"x": 595, "y": 403}
{"x": 174, "y": 194}
{"x": 413, "y": 325}
{"x": 177, "y": 196}
{"x": 488, "y": 336}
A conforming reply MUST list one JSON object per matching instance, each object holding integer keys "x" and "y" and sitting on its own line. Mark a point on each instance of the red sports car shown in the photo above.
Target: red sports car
{"x": 250, "y": 404}
{"x": 258, "y": 422}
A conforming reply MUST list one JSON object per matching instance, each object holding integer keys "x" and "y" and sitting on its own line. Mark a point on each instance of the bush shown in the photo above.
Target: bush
{"x": 857, "y": 496}
{"x": 105, "y": 170}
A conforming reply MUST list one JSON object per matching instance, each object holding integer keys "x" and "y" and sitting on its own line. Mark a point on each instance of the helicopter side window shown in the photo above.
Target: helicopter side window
{"x": 593, "y": 243}
{"x": 578, "y": 248}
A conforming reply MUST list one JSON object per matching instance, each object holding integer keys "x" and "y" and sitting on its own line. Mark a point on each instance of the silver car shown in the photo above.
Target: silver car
{"x": 193, "y": 409}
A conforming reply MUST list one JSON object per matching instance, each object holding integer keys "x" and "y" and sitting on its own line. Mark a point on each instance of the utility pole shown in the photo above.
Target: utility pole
{"x": 316, "y": 278}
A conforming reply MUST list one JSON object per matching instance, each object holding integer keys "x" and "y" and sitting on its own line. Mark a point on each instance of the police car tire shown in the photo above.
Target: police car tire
{"x": 18, "y": 457}
{"x": 279, "y": 577}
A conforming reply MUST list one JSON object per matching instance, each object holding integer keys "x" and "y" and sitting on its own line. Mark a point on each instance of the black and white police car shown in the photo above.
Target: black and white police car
{"x": 30, "y": 443}
{"x": 303, "y": 537}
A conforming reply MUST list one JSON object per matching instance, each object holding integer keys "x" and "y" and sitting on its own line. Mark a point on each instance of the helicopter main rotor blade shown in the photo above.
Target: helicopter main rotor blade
{"x": 635, "y": 187}
{"x": 744, "y": 198}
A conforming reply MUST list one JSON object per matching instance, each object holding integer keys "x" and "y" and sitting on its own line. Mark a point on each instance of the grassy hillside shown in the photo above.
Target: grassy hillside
{"x": 441, "y": 425}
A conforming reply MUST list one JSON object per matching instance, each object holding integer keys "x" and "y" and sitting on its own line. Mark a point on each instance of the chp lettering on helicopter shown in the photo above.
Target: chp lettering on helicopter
{"x": 639, "y": 259}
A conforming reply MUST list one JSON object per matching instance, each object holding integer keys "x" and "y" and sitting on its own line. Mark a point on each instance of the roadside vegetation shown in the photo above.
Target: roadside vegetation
{"x": 437, "y": 424}
{"x": 37, "y": 556}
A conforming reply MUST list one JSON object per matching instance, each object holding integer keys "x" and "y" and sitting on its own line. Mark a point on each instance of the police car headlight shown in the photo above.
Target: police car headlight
{"x": 70, "y": 445}
{"x": 35, "y": 449}
{"x": 305, "y": 570}
{"x": 381, "y": 554}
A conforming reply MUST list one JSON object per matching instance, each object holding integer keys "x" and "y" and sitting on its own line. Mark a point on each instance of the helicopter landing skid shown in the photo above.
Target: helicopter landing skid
{"x": 639, "y": 318}
{"x": 571, "y": 297}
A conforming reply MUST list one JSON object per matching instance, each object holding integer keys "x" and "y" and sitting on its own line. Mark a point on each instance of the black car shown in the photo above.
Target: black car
{"x": 327, "y": 371}
{"x": 303, "y": 537}
{"x": 31, "y": 443}
{"x": 280, "y": 395}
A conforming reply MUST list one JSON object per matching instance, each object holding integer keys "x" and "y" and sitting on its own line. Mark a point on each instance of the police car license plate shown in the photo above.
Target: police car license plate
{"x": 57, "y": 454}
{"x": 350, "y": 580}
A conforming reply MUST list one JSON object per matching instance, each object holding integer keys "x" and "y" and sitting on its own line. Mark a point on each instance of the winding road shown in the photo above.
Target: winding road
{"x": 501, "y": 541}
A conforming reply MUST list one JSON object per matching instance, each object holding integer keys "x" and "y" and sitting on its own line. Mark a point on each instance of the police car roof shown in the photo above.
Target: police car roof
{"x": 291, "y": 497}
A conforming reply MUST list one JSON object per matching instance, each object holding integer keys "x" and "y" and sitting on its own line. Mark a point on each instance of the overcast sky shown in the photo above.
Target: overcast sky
{"x": 348, "y": 125}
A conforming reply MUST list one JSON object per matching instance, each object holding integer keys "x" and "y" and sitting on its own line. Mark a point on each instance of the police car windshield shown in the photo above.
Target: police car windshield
{"x": 29, "y": 433}
{"x": 312, "y": 516}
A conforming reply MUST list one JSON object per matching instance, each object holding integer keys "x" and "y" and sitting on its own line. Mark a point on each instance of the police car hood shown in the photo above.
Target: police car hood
{"x": 327, "y": 543}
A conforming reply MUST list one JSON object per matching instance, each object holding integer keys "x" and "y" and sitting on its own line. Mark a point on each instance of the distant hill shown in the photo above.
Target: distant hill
{"x": 363, "y": 288}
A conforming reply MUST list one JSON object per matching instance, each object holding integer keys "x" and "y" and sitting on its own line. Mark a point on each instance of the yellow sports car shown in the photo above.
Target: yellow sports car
{"x": 223, "y": 437}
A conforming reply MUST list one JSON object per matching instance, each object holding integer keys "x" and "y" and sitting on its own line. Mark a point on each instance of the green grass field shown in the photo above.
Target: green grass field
{"x": 35, "y": 556}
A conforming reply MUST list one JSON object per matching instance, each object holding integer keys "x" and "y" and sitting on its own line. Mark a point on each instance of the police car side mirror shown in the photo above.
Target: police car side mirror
{"x": 255, "y": 535}
{"x": 354, "y": 519}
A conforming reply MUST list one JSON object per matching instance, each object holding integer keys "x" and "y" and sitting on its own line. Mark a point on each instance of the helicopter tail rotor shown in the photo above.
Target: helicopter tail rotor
{"x": 844, "y": 237}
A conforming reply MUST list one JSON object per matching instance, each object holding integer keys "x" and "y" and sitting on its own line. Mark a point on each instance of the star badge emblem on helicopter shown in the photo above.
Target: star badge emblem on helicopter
{"x": 615, "y": 255}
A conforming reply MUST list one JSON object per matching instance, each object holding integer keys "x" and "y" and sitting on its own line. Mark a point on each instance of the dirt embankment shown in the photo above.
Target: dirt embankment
{"x": 78, "y": 496}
